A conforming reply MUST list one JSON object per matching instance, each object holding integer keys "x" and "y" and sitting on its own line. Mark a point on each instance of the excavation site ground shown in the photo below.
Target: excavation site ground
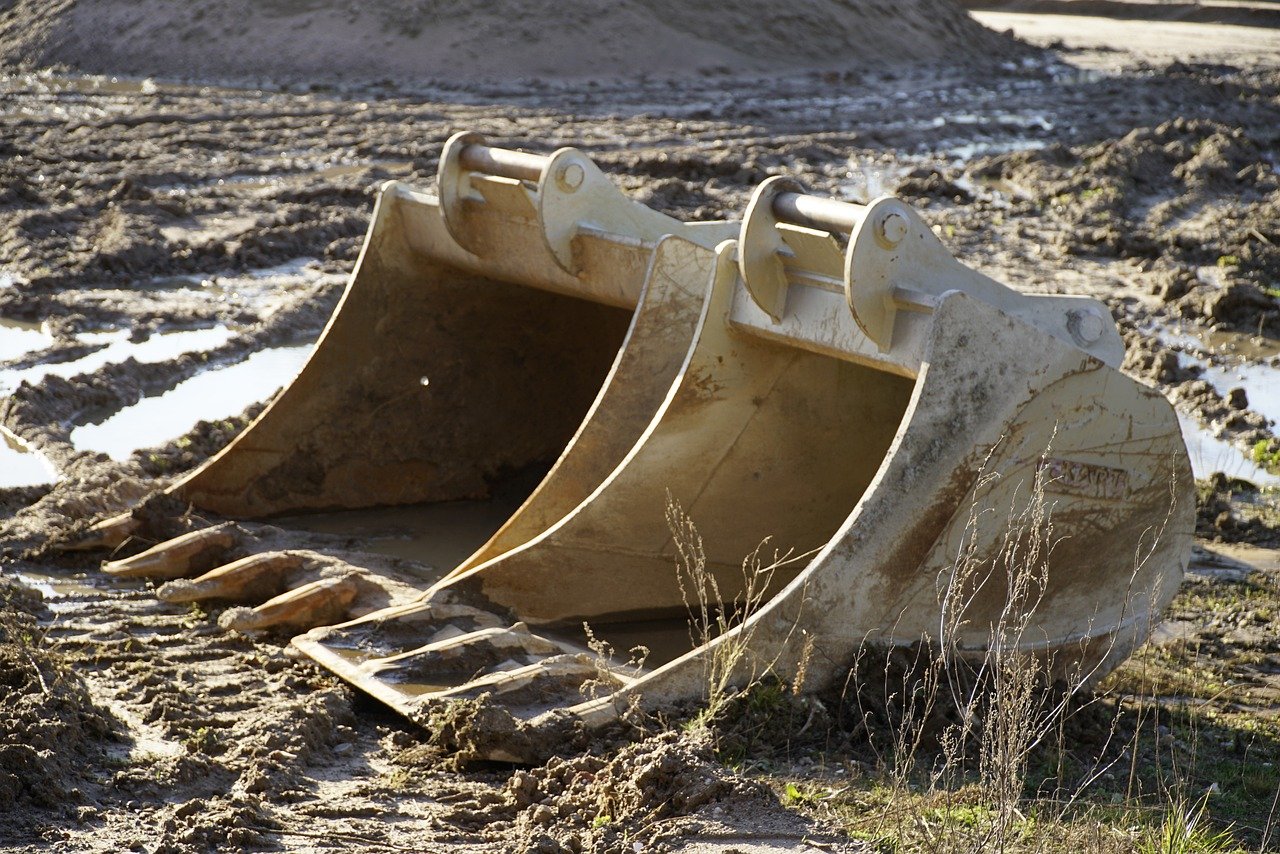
{"x": 170, "y": 251}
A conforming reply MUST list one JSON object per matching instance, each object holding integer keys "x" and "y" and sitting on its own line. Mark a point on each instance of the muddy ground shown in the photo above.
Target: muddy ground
{"x": 154, "y": 208}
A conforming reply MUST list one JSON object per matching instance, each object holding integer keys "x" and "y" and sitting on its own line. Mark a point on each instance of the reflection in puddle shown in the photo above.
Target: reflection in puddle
{"x": 216, "y": 393}
{"x": 21, "y": 466}
{"x": 159, "y": 347}
{"x": 1210, "y": 454}
{"x": 18, "y": 338}
{"x": 437, "y": 535}
{"x": 54, "y": 588}
{"x": 1260, "y": 382}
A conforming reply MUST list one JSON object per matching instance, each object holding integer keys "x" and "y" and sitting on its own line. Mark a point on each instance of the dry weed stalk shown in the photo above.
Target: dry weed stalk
{"x": 1001, "y": 696}
{"x": 1002, "y": 700}
{"x": 607, "y": 670}
{"x": 713, "y": 615}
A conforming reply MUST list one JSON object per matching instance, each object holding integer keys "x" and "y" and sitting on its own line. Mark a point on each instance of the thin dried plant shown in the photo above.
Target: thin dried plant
{"x": 609, "y": 673}
{"x": 724, "y": 621}
{"x": 991, "y": 678}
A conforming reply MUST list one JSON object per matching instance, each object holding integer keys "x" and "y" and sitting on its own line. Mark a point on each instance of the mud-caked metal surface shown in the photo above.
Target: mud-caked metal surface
{"x": 829, "y": 378}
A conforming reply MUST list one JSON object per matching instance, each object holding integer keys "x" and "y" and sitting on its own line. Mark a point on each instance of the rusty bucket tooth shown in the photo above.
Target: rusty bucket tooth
{"x": 315, "y": 604}
{"x": 180, "y": 557}
{"x": 249, "y": 579}
{"x": 106, "y": 534}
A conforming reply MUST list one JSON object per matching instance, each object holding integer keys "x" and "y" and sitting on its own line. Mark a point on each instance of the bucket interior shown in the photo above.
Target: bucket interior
{"x": 780, "y": 466}
{"x": 430, "y": 384}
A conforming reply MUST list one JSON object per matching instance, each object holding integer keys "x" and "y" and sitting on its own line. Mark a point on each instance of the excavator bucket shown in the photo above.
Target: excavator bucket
{"x": 933, "y": 451}
{"x": 471, "y": 346}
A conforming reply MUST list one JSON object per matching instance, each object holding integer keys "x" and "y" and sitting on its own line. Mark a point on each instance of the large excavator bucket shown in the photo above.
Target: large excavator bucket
{"x": 471, "y": 346}
{"x": 828, "y": 377}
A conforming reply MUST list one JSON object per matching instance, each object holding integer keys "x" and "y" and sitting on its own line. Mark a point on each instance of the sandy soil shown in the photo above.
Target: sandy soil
{"x": 420, "y": 40}
{"x": 1156, "y": 42}
{"x": 154, "y": 207}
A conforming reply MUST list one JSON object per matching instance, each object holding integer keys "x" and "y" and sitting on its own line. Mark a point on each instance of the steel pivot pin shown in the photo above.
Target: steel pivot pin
{"x": 892, "y": 229}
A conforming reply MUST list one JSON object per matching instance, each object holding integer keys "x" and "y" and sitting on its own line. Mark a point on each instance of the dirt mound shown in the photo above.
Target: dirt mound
{"x": 1233, "y": 511}
{"x": 605, "y": 805}
{"x": 1195, "y": 198}
{"x": 454, "y": 40}
{"x": 49, "y": 722}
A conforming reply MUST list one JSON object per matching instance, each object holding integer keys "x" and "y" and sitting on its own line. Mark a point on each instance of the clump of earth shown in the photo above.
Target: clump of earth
{"x": 51, "y": 725}
{"x": 1197, "y": 200}
{"x": 605, "y": 804}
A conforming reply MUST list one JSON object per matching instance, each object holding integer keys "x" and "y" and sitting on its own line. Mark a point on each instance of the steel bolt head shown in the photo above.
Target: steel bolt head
{"x": 1086, "y": 325}
{"x": 1091, "y": 327}
{"x": 893, "y": 228}
{"x": 570, "y": 177}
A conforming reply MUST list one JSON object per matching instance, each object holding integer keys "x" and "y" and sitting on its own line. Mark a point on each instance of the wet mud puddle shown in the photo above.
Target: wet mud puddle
{"x": 17, "y": 338}
{"x": 216, "y": 393}
{"x": 209, "y": 395}
{"x": 1210, "y": 454}
{"x": 22, "y": 466}
{"x": 1228, "y": 361}
{"x": 19, "y": 465}
{"x": 440, "y": 536}
{"x": 114, "y": 347}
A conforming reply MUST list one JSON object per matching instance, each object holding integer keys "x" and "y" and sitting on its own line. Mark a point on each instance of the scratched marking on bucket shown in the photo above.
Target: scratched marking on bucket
{"x": 1076, "y": 478}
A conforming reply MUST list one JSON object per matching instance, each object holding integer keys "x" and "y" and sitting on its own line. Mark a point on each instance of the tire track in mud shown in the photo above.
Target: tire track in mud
{"x": 224, "y": 741}
{"x": 230, "y": 741}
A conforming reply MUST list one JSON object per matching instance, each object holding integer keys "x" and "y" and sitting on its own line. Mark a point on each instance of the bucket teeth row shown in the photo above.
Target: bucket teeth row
{"x": 315, "y": 604}
{"x": 187, "y": 555}
{"x": 249, "y": 579}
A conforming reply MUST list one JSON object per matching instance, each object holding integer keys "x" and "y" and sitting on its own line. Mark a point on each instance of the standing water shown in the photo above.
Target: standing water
{"x": 213, "y": 394}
